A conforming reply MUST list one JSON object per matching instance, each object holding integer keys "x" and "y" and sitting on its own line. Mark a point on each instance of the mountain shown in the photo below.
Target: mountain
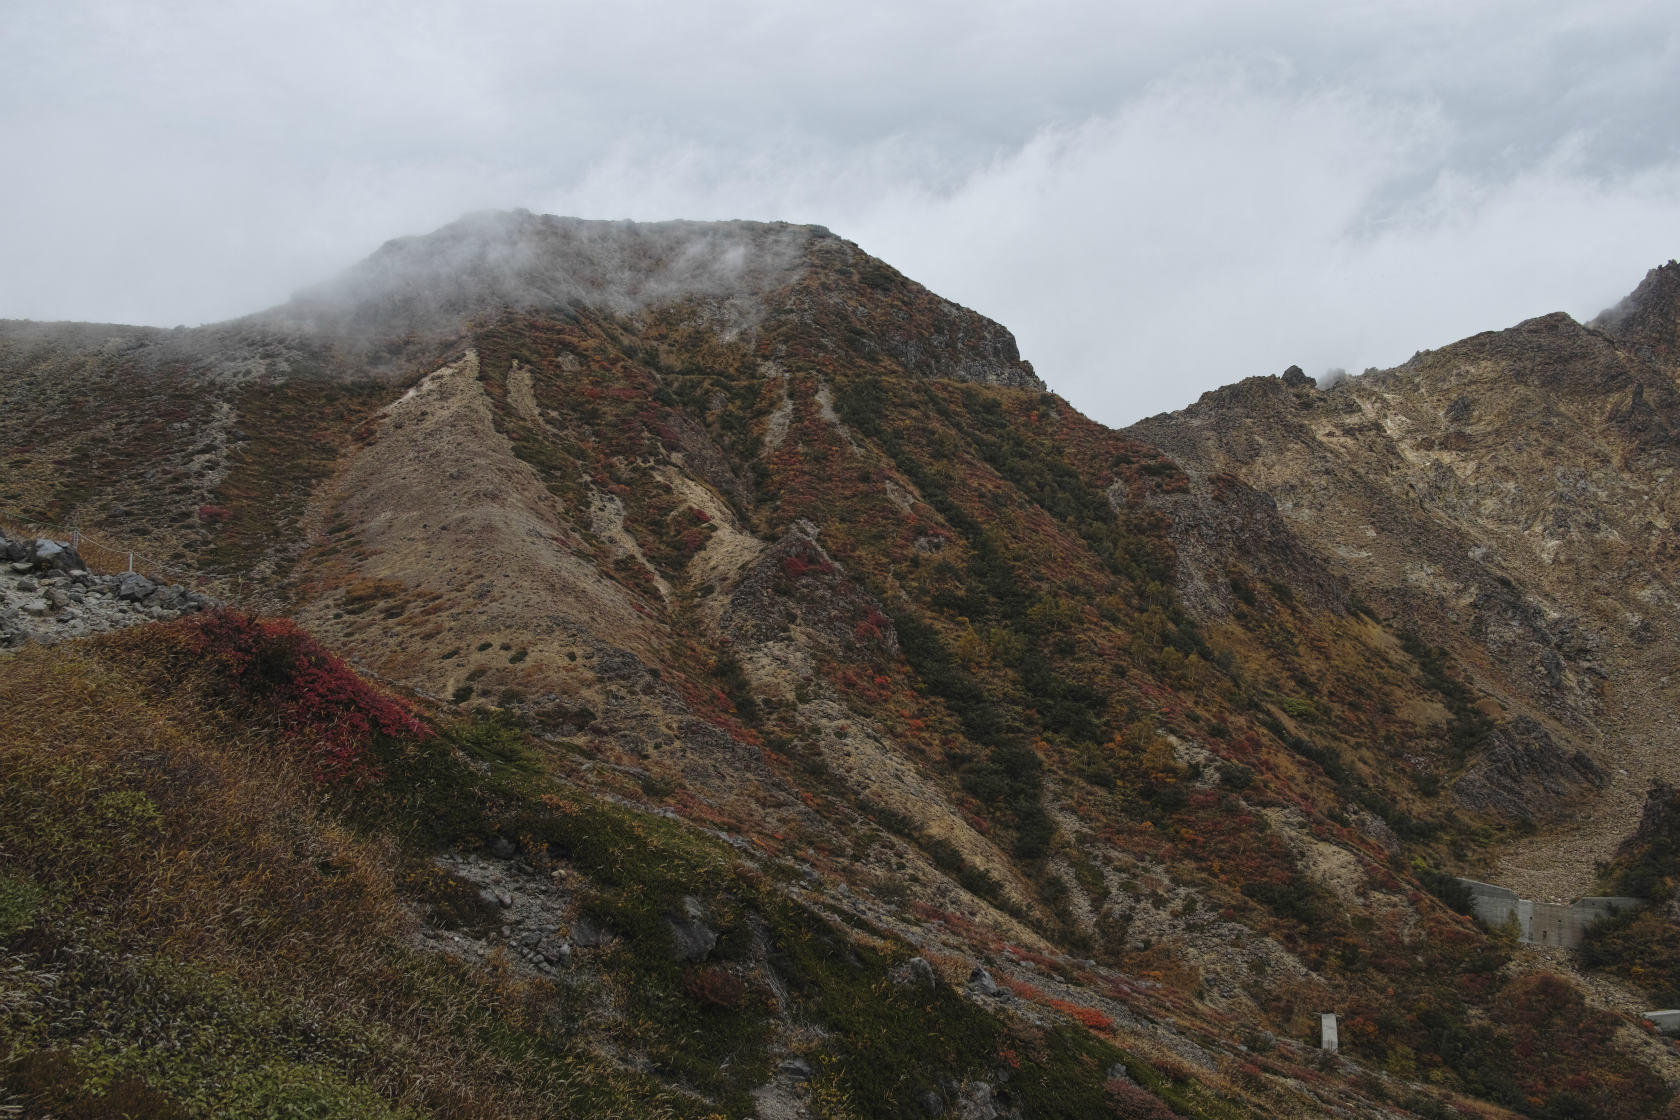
{"x": 1509, "y": 496}
{"x": 838, "y": 722}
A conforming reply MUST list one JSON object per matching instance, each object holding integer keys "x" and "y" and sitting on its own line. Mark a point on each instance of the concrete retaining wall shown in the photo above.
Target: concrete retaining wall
{"x": 1542, "y": 923}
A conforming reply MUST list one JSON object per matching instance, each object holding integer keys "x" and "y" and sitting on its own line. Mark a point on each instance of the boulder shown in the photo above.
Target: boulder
{"x": 916, "y": 973}
{"x": 980, "y": 982}
{"x": 586, "y": 934}
{"x": 691, "y": 938}
{"x": 135, "y": 587}
{"x": 57, "y": 556}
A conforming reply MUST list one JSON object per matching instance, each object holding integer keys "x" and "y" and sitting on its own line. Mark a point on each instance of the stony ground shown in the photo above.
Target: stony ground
{"x": 47, "y": 595}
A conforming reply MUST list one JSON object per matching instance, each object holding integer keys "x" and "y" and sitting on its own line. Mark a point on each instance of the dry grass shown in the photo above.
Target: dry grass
{"x": 155, "y": 832}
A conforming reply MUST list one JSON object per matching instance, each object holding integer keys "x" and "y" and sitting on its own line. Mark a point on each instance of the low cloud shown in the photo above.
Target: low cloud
{"x": 1156, "y": 204}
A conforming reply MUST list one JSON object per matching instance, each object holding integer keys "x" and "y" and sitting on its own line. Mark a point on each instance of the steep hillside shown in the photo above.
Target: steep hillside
{"x": 1509, "y": 496}
{"x": 743, "y": 529}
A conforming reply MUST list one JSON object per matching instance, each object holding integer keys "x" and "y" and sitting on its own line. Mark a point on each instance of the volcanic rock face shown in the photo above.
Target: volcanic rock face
{"x": 1523, "y": 773}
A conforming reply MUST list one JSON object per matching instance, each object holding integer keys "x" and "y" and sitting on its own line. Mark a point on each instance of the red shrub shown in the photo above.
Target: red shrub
{"x": 1088, "y": 1017}
{"x": 805, "y": 562}
{"x": 273, "y": 665}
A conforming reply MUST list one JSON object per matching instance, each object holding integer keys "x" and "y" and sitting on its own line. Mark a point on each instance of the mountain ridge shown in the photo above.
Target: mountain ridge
{"x": 1121, "y": 722}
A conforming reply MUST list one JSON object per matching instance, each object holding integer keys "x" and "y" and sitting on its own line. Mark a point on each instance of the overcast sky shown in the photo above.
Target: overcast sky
{"x": 1157, "y": 198}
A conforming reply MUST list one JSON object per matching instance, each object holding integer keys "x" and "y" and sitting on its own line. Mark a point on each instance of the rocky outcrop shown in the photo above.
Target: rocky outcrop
{"x": 1648, "y": 320}
{"x": 796, "y": 586}
{"x": 1219, "y": 519}
{"x": 1523, "y": 773}
{"x": 1659, "y": 821}
{"x": 47, "y": 595}
{"x": 867, "y": 306}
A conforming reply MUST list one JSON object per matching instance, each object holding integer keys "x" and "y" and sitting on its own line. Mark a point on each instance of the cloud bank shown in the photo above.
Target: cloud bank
{"x": 1155, "y": 202}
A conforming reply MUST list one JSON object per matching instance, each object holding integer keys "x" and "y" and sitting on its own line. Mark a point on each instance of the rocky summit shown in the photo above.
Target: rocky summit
{"x": 692, "y": 669}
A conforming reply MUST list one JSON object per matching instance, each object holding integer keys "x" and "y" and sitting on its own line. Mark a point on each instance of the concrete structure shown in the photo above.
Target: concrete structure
{"x": 1667, "y": 1022}
{"x": 1327, "y": 1039}
{"x": 1542, "y": 923}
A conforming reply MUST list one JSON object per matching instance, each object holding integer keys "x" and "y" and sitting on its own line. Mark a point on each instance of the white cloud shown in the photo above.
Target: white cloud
{"x": 1156, "y": 200}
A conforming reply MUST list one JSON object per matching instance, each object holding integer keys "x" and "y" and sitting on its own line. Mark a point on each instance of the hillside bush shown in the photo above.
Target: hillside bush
{"x": 271, "y": 668}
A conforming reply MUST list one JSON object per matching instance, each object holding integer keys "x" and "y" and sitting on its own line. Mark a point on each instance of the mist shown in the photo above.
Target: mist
{"x": 1155, "y": 202}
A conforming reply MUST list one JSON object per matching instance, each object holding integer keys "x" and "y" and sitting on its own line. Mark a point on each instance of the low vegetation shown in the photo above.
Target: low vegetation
{"x": 175, "y": 842}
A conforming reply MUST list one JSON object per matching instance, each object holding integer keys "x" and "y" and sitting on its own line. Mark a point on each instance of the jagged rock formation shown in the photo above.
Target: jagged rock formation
{"x": 1522, "y": 773}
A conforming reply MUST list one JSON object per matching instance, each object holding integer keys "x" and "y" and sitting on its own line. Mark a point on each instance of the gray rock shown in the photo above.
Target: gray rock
{"x": 502, "y": 848}
{"x": 691, "y": 938}
{"x": 932, "y": 1103}
{"x": 22, "y": 567}
{"x": 56, "y": 555}
{"x": 28, "y": 585}
{"x": 554, "y": 950}
{"x": 586, "y": 934}
{"x": 979, "y": 1102}
{"x": 36, "y": 606}
{"x": 980, "y": 982}
{"x": 1119, "y": 1072}
{"x": 134, "y": 588}
{"x": 797, "y": 1068}
{"x": 1523, "y": 773}
{"x": 916, "y": 972}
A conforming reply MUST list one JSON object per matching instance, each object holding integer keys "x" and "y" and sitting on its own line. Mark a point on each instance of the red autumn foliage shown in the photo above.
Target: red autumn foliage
{"x": 274, "y": 666}
{"x": 798, "y": 565}
{"x": 1088, "y": 1017}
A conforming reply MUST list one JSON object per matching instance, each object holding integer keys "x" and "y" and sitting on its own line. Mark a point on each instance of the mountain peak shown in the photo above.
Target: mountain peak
{"x": 516, "y": 260}
{"x": 1649, "y": 318}
{"x": 493, "y": 262}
